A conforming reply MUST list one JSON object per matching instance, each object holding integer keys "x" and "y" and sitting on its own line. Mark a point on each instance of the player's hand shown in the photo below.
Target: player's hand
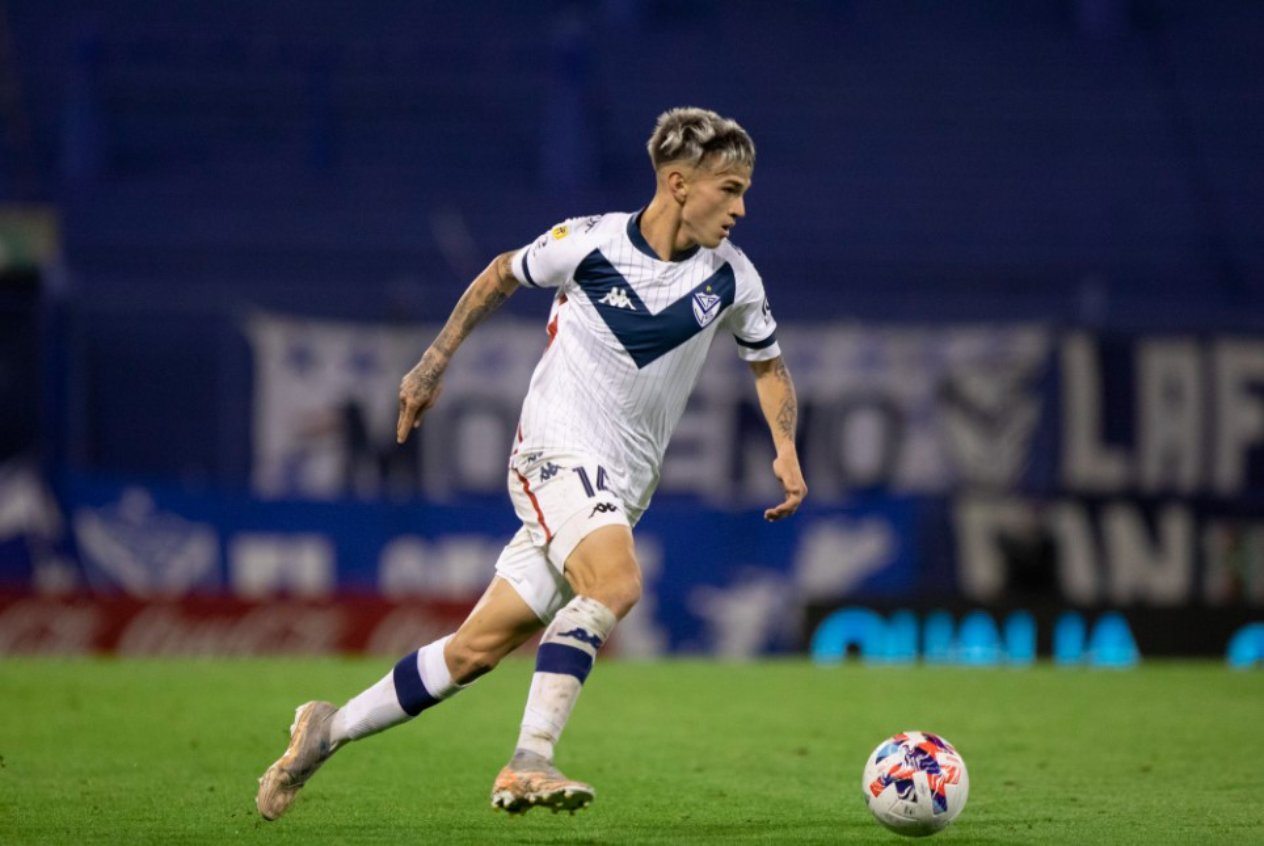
{"x": 418, "y": 391}
{"x": 786, "y": 468}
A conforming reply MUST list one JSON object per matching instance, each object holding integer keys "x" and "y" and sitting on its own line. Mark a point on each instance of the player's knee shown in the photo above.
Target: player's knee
{"x": 614, "y": 581}
{"x": 604, "y": 567}
{"x": 619, "y": 592}
{"x": 628, "y": 595}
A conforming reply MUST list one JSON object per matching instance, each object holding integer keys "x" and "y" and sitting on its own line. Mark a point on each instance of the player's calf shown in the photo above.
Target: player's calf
{"x": 418, "y": 681}
{"x": 471, "y": 656}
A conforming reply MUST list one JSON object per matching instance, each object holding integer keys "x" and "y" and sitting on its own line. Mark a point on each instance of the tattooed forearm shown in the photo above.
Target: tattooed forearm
{"x": 787, "y": 416}
{"x": 777, "y": 399}
{"x": 420, "y": 386}
{"x": 788, "y": 413}
{"x": 472, "y": 309}
{"x": 486, "y": 294}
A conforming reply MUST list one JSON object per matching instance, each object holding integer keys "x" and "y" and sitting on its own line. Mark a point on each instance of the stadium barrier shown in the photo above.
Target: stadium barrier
{"x": 219, "y": 626}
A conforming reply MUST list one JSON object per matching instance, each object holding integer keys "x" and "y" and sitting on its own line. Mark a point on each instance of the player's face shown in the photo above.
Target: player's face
{"x": 714, "y": 203}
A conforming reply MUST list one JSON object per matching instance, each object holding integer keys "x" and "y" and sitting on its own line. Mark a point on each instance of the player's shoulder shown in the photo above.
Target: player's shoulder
{"x": 743, "y": 268}
{"x": 569, "y": 241}
{"x": 556, "y": 253}
{"x": 589, "y": 228}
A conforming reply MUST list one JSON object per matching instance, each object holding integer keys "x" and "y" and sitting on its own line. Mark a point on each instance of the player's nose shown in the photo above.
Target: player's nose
{"x": 739, "y": 208}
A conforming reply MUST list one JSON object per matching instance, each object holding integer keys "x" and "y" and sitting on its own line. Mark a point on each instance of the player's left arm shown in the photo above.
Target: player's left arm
{"x": 780, "y": 406}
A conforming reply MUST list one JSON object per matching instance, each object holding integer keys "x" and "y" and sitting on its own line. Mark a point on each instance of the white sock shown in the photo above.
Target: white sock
{"x": 420, "y": 679}
{"x": 567, "y": 651}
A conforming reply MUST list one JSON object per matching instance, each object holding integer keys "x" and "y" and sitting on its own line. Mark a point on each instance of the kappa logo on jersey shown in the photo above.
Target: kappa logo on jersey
{"x": 603, "y": 508}
{"x": 583, "y": 637}
{"x": 705, "y": 306}
{"x": 618, "y": 298}
{"x": 549, "y": 471}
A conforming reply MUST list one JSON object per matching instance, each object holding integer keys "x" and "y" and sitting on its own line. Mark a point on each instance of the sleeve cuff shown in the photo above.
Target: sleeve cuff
{"x": 765, "y": 353}
{"x": 757, "y": 345}
{"x": 521, "y": 268}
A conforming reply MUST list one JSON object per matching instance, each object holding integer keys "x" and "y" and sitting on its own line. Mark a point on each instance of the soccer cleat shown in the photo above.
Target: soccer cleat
{"x": 309, "y": 748}
{"x": 529, "y": 780}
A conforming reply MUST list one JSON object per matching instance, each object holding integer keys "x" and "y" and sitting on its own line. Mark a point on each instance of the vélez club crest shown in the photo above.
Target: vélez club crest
{"x": 705, "y": 307}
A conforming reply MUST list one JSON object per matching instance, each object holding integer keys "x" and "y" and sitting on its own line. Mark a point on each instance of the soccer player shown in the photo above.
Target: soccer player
{"x": 638, "y": 299}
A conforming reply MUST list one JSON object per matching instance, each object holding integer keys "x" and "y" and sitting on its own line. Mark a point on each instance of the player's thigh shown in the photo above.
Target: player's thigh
{"x": 561, "y": 498}
{"x": 526, "y": 567}
{"x": 603, "y": 566}
{"x": 569, "y": 510}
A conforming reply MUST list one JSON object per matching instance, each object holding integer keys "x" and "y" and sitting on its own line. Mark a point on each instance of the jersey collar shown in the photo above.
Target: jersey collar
{"x": 638, "y": 241}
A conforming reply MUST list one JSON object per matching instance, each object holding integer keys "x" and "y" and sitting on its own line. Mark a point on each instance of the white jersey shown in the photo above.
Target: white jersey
{"x": 628, "y": 335}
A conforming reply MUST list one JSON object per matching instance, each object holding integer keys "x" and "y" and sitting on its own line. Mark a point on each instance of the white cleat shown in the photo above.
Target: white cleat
{"x": 309, "y": 747}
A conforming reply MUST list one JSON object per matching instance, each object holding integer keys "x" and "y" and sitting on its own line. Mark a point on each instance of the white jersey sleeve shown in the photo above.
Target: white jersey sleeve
{"x": 551, "y": 260}
{"x": 750, "y": 319}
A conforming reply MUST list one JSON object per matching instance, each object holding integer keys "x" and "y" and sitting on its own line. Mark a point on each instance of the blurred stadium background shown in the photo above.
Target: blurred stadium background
{"x": 1015, "y": 249}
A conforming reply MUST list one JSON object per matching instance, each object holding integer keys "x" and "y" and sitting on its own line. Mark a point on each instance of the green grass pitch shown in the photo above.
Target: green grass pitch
{"x": 680, "y": 752}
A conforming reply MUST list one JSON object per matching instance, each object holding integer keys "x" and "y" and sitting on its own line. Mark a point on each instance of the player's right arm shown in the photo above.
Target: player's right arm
{"x": 421, "y": 386}
{"x": 546, "y": 263}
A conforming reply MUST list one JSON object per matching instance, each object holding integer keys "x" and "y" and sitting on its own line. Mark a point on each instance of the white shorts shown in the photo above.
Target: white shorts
{"x": 561, "y": 498}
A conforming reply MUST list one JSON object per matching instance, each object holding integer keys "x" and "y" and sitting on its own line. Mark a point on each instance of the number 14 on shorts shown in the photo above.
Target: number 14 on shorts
{"x": 584, "y": 479}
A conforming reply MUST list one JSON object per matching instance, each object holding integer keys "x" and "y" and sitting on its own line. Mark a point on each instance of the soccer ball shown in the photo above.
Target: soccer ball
{"x": 915, "y": 783}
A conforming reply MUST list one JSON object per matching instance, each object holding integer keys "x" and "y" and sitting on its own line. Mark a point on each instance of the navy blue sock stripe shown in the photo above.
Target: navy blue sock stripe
{"x": 409, "y": 689}
{"x": 560, "y": 658}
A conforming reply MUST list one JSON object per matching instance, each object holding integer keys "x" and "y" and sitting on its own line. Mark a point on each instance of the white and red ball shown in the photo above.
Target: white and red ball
{"x": 915, "y": 783}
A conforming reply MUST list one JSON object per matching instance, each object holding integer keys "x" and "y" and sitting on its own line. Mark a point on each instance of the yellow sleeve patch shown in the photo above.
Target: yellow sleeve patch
{"x": 561, "y": 231}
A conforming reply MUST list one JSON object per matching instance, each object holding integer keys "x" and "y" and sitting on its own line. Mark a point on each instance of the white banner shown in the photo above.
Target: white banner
{"x": 914, "y": 409}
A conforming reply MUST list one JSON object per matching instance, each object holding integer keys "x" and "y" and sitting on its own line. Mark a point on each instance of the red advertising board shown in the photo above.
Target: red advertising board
{"x": 219, "y": 626}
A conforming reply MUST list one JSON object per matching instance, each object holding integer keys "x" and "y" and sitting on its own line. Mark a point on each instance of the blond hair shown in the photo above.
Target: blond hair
{"x": 691, "y": 135}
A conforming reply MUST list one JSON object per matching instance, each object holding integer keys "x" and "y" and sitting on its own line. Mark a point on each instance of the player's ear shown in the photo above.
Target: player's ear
{"x": 678, "y": 184}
